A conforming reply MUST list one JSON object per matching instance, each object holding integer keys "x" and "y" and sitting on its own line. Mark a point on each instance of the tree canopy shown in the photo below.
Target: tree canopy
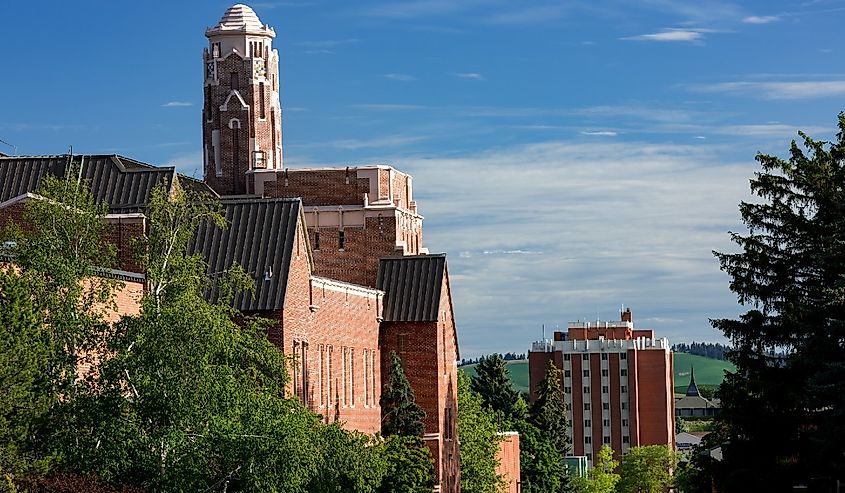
{"x": 784, "y": 407}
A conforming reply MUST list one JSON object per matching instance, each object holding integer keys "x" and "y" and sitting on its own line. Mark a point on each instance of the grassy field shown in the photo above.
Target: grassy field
{"x": 707, "y": 371}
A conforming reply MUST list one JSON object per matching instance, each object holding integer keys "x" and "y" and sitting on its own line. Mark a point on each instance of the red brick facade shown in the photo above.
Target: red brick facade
{"x": 508, "y": 457}
{"x": 618, "y": 382}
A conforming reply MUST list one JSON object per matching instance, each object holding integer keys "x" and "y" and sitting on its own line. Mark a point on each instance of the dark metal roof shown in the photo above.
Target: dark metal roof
{"x": 260, "y": 237}
{"x": 120, "y": 182}
{"x": 411, "y": 287}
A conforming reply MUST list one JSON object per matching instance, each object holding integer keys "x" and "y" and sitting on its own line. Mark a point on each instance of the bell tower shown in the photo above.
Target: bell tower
{"x": 242, "y": 115}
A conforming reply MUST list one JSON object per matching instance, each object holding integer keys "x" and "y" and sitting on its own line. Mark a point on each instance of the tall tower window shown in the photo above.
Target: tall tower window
{"x": 258, "y": 158}
{"x": 341, "y": 239}
{"x": 263, "y": 111}
{"x": 234, "y": 81}
{"x": 215, "y": 50}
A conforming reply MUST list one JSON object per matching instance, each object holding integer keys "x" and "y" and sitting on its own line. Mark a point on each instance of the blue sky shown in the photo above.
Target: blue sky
{"x": 570, "y": 157}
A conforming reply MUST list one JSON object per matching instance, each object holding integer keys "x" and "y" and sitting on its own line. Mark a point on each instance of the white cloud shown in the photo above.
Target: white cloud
{"x": 469, "y": 75}
{"x": 386, "y": 106}
{"x": 760, "y": 19}
{"x": 531, "y": 15}
{"x": 550, "y": 232}
{"x": 177, "y": 104}
{"x": 400, "y": 77}
{"x": 777, "y": 90}
{"x": 605, "y": 133}
{"x": 670, "y": 35}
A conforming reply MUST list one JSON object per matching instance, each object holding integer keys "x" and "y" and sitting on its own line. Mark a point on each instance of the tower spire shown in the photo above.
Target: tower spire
{"x": 692, "y": 389}
{"x": 242, "y": 115}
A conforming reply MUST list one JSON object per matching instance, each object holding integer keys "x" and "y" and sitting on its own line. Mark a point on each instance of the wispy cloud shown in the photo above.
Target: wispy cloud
{"x": 760, "y": 19}
{"x": 603, "y": 133}
{"x": 469, "y": 75}
{"x": 400, "y": 77}
{"x": 670, "y": 35}
{"x": 187, "y": 163}
{"x": 810, "y": 89}
{"x": 386, "y": 106}
{"x": 378, "y": 142}
{"x": 415, "y": 9}
{"x": 530, "y": 15}
{"x": 325, "y": 46}
{"x": 177, "y": 104}
{"x": 584, "y": 227}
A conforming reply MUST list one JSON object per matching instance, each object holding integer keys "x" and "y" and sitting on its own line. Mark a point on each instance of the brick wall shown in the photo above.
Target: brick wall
{"x": 508, "y": 457}
{"x": 432, "y": 371}
{"x": 340, "y": 186}
{"x": 331, "y": 330}
{"x": 120, "y": 232}
{"x": 656, "y": 402}
{"x": 12, "y": 214}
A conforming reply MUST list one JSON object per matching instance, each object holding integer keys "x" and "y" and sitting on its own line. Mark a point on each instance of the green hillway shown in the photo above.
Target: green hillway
{"x": 708, "y": 371}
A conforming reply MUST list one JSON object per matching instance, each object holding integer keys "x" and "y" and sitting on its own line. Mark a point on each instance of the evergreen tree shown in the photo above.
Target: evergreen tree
{"x": 549, "y": 413}
{"x": 23, "y": 364}
{"x": 492, "y": 382}
{"x": 400, "y": 413}
{"x": 788, "y": 346}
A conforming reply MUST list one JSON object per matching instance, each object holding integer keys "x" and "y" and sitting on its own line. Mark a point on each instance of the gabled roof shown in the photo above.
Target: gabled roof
{"x": 261, "y": 237}
{"x": 412, "y": 287}
{"x": 120, "y": 182}
{"x": 692, "y": 388}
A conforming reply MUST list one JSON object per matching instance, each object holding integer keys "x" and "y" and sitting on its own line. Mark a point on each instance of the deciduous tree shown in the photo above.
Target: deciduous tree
{"x": 478, "y": 433}
{"x": 647, "y": 469}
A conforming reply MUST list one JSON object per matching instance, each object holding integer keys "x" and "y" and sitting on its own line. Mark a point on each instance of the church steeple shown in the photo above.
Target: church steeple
{"x": 241, "y": 111}
{"x": 692, "y": 389}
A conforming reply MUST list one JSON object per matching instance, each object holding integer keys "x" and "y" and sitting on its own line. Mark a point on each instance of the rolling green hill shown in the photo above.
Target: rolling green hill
{"x": 707, "y": 371}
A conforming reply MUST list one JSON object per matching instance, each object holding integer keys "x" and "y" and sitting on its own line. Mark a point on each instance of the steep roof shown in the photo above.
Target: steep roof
{"x": 261, "y": 237}
{"x": 412, "y": 287}
{"x": 120, "y": 182}
{"x": 692, "y": 388}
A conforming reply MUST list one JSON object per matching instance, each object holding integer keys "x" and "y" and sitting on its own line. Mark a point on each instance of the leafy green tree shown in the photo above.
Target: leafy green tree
{"x": 478, "y": 432}
{"x": 549, "y": 412}
{"x": 410, "y": 468}
{"x": 401, "y": 415}
{"x": 60, "y": 252}
{"x": 681, "y": 425}
{"x": 601, "y": 478}
{"x": 493, "y": 383}
{"x": 23, "y": 364}
{"x": 647, "y": 469}
{"x": 787, "y": 347}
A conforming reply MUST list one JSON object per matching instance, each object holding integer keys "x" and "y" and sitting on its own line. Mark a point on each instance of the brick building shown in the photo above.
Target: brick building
{"x": 336, "y": 253}
{"x": 618, "y": 383}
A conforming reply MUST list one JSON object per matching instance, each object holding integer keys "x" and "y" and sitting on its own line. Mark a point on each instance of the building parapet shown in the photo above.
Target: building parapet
{"x": 601, "y": 344}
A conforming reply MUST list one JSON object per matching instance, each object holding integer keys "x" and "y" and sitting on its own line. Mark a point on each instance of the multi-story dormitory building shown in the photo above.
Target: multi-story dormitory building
{"x": 336, "y": 253}
{"x": 618, "y": 384}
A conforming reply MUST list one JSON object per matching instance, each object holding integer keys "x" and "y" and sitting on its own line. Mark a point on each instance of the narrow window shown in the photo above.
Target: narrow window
{"x": 623, "y": 356}
{"x": 322, "y": 376}
{"x": 316, "y": 240}
{"x": 352, "y": 377}
{"x": 566, "y": 357}
{"x": 588, "y": 423}
{"x": 567, "y": 373}
{"x": 586, "y": 390}
{"x": 605, "y": 405}
{"x": 585, "y": 357}
{"x": 341, "y": 239}
{"x": 624, "y": 405}
{"x": 373, "y": 376}
{"x": 343, "y": 374}
{"x": 626, "y": 439}
{"x": 604, "y": 356}
{"x": 604, "y": 389}
{"x": 329, "y": 401}
{"x": 234, "y": 82}
{"x": 604, "y": 372}
{"x": 624, "y": 372}
{"x": 588, "y": 439}
{"x": 567, "y": 390}
{"x": 605, "y": 439}
{"x": 606, "y": 422}
{"x": 624, "y": 422}
{"x": 624, "y": 389}
{"x": 586, "y": 406}
{"x": 366, "y": 380}
{"x": 586, "y": 373}
{"x": 262, "y": 109}
{"x": 215, "y": 50}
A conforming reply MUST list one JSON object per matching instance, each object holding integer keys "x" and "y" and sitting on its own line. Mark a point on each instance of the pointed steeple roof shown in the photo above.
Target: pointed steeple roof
{"x": 692, "y": 389}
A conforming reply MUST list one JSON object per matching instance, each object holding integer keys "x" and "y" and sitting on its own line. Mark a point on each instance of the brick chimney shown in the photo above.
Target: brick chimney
{"x": 627, "y": 316}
